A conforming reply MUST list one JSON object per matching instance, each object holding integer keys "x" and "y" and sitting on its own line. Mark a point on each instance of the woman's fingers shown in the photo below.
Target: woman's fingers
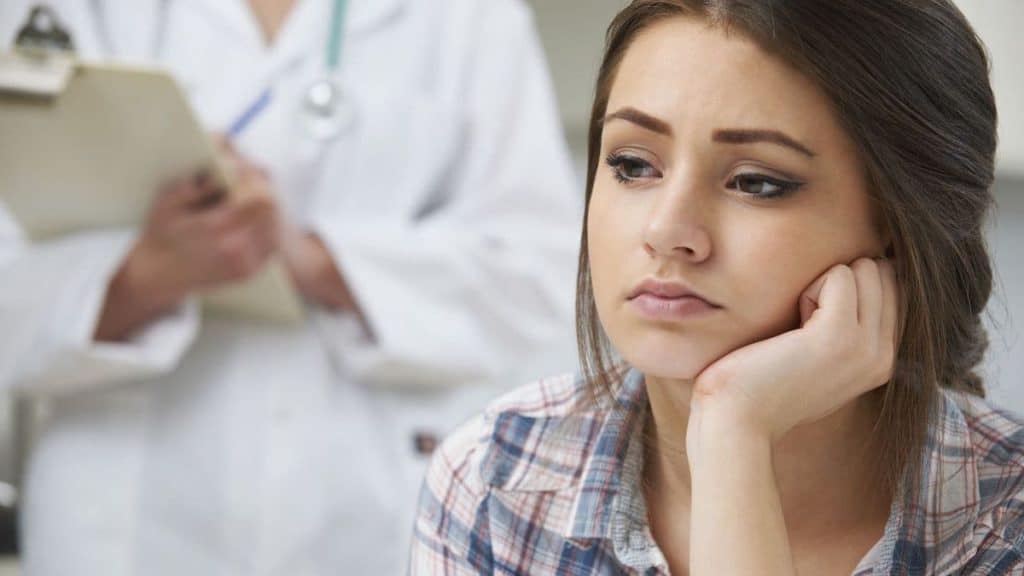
{"x": 889, "y": 325}
{"x": 809, "y": 299}
{"x": 869, "y": 294}
{"x": 832, "y": 296}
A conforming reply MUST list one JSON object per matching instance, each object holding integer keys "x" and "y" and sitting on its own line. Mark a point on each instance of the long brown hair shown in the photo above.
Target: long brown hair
{"x": 909, "y": 82}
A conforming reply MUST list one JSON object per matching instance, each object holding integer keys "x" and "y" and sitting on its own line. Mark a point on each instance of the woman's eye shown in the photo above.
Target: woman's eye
{"x": 630, "y": 168}
{"x": 762, "y": 186}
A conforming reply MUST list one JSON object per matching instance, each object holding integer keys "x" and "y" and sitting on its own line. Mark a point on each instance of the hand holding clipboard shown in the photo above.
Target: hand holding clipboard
{"x": 91, "y": 146}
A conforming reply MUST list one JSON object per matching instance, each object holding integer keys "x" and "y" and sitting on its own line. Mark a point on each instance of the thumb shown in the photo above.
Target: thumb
{"x": 810, "y": 298}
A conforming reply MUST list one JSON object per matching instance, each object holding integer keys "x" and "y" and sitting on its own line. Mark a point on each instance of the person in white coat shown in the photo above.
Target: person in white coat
{"x": 434, "y": 239}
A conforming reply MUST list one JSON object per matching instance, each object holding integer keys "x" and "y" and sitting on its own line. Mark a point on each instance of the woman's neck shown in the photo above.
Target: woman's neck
{"x": 826, "y": 473}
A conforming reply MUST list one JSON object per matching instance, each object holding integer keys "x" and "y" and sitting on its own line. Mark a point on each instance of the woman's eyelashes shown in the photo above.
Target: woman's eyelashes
{"x": 628, "y": 168}
{"x": 762, "y": 186}
{"x": 632, "y": 169}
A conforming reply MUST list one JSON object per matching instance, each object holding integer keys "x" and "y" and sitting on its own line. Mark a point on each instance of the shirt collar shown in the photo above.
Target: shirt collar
{"x": 928, "y": 531}
{"x": 601, "y": 479}
{"x": 557, "y": 440}
{"x": 941, "y": 515}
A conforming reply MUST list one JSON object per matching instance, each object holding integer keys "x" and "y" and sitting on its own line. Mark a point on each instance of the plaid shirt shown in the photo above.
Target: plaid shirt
{"x": 543, "y": 484}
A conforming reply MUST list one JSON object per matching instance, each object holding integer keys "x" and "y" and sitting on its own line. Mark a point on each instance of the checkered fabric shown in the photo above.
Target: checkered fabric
{"x": 546, "y": 483}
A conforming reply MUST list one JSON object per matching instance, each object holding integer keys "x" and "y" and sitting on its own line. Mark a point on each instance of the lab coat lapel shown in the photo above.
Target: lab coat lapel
{"x": 234, "y": 16}
{"x": 362, "y": 14}
{"x": 127, "y": 30}
{"x": 365, "y": 14}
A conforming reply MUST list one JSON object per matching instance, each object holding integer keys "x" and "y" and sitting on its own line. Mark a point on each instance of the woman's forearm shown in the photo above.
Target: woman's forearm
{"x": 737, "y": 524}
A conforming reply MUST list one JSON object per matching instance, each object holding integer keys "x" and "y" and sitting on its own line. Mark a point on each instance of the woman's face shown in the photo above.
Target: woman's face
{"x": 723, "y": 173}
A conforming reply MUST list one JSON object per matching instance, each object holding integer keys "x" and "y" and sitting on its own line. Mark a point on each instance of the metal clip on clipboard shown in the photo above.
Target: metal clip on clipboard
{"x": 42, "y": 60}
{"x": 43, "y": 32}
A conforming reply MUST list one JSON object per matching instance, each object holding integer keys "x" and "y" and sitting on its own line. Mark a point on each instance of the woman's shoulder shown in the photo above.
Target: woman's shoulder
{"x": 995, "y": 447}
{"x": 525, "y": 446}
{"x": 996, "y": 438}
{"x": 522, "y": 440}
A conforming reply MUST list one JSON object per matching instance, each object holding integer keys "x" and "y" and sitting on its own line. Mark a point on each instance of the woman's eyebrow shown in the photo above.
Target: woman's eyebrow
{"x": 641, "y": 119}
{"x": 754, "y": 136}
{"x": 736, "y": 136}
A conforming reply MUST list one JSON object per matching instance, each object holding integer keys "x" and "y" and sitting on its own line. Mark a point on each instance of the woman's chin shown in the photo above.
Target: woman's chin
{"x": 668, "y": 360}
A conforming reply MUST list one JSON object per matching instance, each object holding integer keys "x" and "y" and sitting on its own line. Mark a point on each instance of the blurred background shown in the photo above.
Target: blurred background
{"x": 572, "y": 32}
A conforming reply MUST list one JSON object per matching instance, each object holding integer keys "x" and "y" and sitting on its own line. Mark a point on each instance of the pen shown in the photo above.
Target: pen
{"x": 251, "y": 112}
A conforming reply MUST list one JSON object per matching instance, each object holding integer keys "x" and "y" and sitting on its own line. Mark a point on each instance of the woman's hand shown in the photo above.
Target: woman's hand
{"x": 749, "y": 398}
{"x": 845, "y": 347}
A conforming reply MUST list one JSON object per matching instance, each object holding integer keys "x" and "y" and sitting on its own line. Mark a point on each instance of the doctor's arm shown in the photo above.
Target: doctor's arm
{"x": 50, "y": 304}
{"x": 482, "y": 286}
{"x": 317, "y": 277}
{"x": 102, "y": 307}
{"x": 53, "y": 292}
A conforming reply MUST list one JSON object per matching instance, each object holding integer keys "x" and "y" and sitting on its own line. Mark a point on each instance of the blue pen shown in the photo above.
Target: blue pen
{"x": 251, "y": 112}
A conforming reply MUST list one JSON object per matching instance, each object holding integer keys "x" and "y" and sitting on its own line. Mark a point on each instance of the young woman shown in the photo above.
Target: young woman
{"x": 784, "y": 250}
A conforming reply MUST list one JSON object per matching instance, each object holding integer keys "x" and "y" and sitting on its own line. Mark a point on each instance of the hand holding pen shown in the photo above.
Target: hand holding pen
{"x": 195, "y": 237}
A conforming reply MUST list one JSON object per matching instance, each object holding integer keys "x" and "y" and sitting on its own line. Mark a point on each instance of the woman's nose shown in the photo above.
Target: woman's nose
{"x": 676, "y": 227}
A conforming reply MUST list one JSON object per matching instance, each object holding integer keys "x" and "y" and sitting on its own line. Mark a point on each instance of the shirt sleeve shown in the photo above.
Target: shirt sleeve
{"x": 50, "y": 302}
{"x": 482, "y": 287}
{"x": 452, "y": 533}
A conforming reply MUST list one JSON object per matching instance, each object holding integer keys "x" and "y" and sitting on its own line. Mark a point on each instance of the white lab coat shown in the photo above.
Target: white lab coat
{"x": 216, "y": 446}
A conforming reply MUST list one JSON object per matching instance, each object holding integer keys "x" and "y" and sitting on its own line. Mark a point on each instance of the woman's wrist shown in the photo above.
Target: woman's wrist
{"x": 722, "y": 432}
{"x": 735, "y": 498}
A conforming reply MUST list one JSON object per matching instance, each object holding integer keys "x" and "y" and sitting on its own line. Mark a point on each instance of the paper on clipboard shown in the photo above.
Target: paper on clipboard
{"x": 86, "y": 146}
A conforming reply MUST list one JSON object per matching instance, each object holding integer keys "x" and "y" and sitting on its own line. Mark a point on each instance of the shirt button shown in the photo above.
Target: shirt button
{"x": 637, "y": 540}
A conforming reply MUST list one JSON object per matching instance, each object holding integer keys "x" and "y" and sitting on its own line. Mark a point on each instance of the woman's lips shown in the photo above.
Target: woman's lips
{"x": 662, "y": 300}
{"x": 657, "y": 307}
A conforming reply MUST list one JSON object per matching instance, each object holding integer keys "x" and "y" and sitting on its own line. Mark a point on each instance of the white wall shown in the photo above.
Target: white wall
{"x": 1004, "y": 367}
{"x": 573, "y": 35}
{"x": 998, "y": 23}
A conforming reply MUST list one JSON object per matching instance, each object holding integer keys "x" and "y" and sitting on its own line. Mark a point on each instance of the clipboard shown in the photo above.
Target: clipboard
{"x": 87, "y": 145}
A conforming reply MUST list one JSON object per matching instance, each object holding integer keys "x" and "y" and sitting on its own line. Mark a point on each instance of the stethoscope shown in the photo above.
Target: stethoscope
{"x": 325, "y": 108}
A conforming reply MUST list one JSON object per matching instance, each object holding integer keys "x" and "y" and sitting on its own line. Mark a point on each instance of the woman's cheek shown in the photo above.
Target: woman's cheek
{"x": 767, "y": 295}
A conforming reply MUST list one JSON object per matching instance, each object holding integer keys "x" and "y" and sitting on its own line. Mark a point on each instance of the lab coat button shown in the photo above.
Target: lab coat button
{"x": 425, "y": 443}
